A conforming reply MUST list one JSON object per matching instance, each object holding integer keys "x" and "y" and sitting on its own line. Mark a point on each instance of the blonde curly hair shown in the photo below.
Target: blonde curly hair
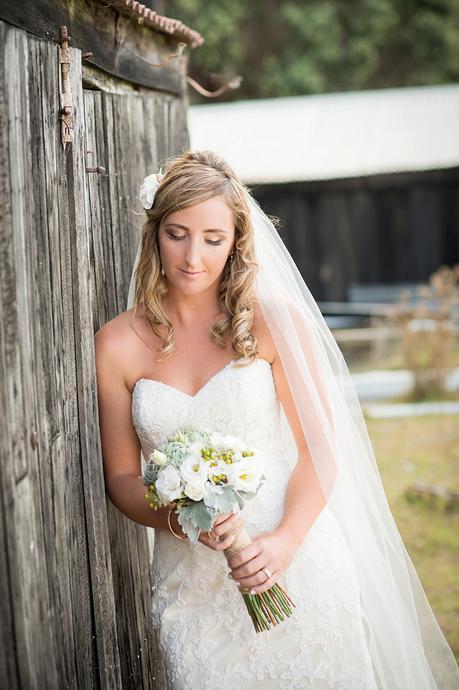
{"x": 190, "y": 178}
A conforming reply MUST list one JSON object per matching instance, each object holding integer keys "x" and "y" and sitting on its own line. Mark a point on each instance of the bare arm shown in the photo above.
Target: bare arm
{"x": 120, "y": 443}
{"x": 304, "y": 498}
{"x": 121, "y": 446}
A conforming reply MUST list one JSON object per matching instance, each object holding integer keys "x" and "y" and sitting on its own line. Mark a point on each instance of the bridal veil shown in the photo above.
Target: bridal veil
{"x": 406, "y": 644}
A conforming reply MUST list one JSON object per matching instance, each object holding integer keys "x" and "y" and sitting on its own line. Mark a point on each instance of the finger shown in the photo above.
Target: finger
{"x": 258, "y": 579}
{"x": 225, "y": 526}
{"x": 224, "y": 523}
{"x": 216, "y": 545}
{"x": 224, "y": 542}
{"x": 246, "y": 554}
{"x": 249, "y": 568}
{"x": 220, "y": 518}
{"x": 264, "y": 586}
{"x": 205, "y": 539}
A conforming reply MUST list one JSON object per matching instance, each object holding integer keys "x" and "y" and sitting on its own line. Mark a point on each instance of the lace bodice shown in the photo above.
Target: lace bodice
{"x": 237, "y": 397}
{"x": 228, "y": 395}
{"x": 206, "y": 635}
{"x": 239, "y": 400}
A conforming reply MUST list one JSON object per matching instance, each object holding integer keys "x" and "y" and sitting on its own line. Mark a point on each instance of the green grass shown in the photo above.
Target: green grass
{"x": 427, "y": 449}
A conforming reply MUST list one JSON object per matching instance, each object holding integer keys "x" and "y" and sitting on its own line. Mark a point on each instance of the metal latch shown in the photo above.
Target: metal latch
{"x": 66, "y": 105}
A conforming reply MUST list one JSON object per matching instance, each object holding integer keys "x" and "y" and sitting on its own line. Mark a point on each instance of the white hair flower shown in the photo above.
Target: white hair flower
{"x": 148, "y": 189}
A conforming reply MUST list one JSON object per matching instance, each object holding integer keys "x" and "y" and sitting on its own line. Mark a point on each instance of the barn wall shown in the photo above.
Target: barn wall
{"x": 75, "y": 583}
{"x": 383, "y": 229}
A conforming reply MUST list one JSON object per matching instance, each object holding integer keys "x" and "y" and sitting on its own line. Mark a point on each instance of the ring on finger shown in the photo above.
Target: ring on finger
{"x": 267, "y": 572}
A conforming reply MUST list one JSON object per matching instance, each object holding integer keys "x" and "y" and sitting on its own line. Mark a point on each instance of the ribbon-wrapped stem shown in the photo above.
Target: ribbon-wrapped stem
{"x": 268, "y": 608}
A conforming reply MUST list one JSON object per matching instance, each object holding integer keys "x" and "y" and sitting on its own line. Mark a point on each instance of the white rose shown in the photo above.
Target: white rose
{"x": 194, "y": 490}
{"x": 159, "y": 458}
{"x": 168, "y": 485}
{"x": 194, "y": 450}
{"x": 193, "y": 469}
{"x": 148, "y": 189}
{"x": 245, "y": 475}
{"x": 231, "y": 442}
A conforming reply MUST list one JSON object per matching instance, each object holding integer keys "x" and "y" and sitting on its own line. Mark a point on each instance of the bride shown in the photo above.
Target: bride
{"x": 222, "y": 332}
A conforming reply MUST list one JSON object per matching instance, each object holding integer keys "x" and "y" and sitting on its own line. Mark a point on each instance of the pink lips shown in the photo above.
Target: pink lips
{"x": 191, "y": 275}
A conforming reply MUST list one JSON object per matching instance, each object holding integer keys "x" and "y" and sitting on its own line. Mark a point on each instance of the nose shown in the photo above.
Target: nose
{"x": 192, "y": 254}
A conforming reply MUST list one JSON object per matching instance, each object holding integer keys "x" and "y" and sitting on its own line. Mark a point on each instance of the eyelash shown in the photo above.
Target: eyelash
{"x": 180, "y": 237}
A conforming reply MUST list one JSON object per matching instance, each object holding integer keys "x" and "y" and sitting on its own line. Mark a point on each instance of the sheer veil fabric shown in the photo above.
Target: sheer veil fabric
{"x": 406, "y": 644}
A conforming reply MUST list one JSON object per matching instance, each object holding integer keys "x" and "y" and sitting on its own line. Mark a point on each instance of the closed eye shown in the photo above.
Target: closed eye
{"x": 180, "y": 237}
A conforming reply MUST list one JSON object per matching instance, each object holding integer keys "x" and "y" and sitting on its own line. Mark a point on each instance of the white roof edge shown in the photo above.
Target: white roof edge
{"x": 335, "y": 135}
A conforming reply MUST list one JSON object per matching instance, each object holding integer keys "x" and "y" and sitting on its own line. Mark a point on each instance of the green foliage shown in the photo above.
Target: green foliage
{"x": 295, "y": 48}
{"x": 221, "y": 502}
{"x": 150, "y": 473}
{"x": 195, "y": 517}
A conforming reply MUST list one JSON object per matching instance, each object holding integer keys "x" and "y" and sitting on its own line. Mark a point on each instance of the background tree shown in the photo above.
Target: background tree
{"x": 287, "y": 48}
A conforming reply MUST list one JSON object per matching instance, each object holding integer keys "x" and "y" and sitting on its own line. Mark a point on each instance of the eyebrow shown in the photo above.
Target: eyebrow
{"x": 183, "y": 227}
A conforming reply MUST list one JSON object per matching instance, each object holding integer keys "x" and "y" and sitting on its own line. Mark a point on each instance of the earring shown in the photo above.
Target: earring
{"x": 162, "y": 271}
{"x": 232, "y": 256}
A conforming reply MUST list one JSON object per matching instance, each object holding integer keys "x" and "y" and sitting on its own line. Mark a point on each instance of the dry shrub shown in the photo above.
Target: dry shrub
{"x": 428, "y": 329}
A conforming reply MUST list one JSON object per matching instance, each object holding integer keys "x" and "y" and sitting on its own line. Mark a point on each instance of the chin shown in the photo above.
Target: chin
{"x": 191, "y": 287}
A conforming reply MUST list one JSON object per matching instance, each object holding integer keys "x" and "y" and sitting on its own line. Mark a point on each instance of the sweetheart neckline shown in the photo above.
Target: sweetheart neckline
{"x": 208, "y": 382}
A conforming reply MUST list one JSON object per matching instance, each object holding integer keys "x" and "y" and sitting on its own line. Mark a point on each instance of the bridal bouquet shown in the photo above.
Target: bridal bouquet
{"x": 204, "y": 473}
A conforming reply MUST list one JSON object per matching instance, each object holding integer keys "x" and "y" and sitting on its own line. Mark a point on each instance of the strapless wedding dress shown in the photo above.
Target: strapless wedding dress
{"x": 206, "y": 635}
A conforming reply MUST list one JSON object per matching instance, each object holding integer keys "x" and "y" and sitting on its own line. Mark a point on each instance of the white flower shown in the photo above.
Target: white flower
{"x": 159, "y": 458}
{"x": 245, "y": 475}
{"x": 231, "y": 442}
{"x": 221, "y": 468}
{"x": 148, "y": 189}
{"x": 194, "y": 450}
{"x": 193, "y": 469}
{"x": 194, "y": 490}
{"x": 168, "y": 485}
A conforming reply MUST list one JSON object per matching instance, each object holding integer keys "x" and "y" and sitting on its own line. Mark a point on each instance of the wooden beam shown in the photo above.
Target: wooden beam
{"x": 119, "y": 45}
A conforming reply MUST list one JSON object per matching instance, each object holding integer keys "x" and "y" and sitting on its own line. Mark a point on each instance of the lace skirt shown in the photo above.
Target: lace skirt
{"x": 207, "y": 637}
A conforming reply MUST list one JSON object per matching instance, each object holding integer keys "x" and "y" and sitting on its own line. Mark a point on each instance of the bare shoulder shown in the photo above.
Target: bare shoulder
{"x": 115, "y": 344}
{"x": 111, "y": 335}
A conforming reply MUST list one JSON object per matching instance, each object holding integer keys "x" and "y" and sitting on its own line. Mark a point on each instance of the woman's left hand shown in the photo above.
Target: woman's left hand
{"x": 271, "y": 550}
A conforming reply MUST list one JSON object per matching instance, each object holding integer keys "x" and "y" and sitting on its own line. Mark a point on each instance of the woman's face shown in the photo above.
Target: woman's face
{"x": 195, "y": 242}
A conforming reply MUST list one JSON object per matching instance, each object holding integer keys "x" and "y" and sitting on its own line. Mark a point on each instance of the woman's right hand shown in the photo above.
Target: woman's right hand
{"x": 222, "y": 524}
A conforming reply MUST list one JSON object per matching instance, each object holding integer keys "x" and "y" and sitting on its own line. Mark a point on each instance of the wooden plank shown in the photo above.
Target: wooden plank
{"x": 45, "y": 527}
{"x": 59, "y": 430}
{"x": 107, "y": 666}
{"x": 49, "y": 426}
{"x": 25, "y": 552}
{"x": 112, "y": 197}
{"x": 120, "y": 137}
{"x": 98, "y": 217}
{"x": 81, "y": 650}
{"x": 9, "y": 663}
{"x": 120, "y": 45}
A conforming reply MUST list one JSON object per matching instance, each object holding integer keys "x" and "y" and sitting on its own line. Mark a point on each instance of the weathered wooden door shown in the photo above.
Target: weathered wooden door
{"x": 74, "y": 574}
